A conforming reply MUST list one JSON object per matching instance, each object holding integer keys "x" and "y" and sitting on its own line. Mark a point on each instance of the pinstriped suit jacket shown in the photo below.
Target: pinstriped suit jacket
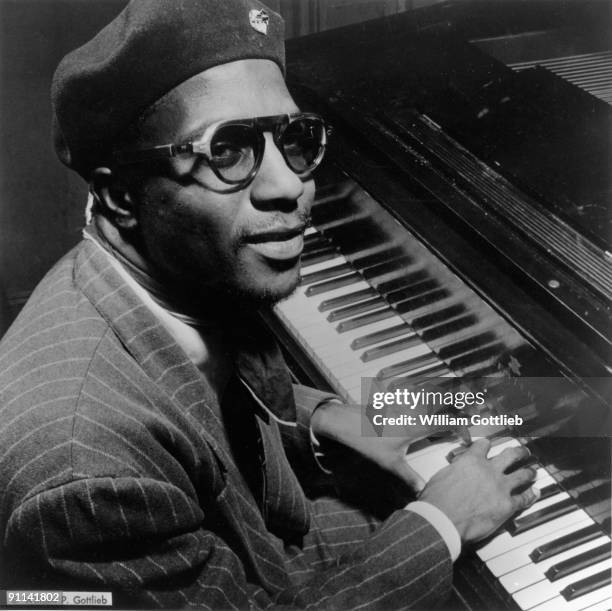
{"x": 115, "y": 473}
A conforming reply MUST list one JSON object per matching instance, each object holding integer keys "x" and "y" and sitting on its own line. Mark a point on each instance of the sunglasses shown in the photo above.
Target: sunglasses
{"x": 228, "y": 155}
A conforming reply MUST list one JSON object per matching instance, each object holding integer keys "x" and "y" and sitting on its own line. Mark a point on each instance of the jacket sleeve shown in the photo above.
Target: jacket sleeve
{"x": 149, "y": 540}
{"x": 298, "y": 442}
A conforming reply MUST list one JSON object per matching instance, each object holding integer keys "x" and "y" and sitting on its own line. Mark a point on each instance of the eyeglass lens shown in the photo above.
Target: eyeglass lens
{"x": 235, "y": 149}
{"x": 302, "y": 141}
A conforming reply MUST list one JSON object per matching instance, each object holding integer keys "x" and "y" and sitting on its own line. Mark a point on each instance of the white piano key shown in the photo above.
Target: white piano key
{"x": 519, "y": 557}
{"x": 316, "y": 267}
{"x": 428, "y": 461}
{"x": 340, "y": 292}
{"x": 602, "y": 605}
{"x": 328, "y": 334}
{"x": 504, "y": 541}
{"x": 533, "y": 573}
{"x": 304, "y": 310}
{"x": 441, "y": 447}
{"x": 339, "y": 354}
{"x": 499, "y": 448}
{"x": 602, "y": 599}
{"x": 545, "y": 590}
{"x": 376, "y": 365}
{"x": 543, "y": 478}
{"x": 427, "y": 465}
{"x": 352, "y": 378}
{"x": 551, "y": 500}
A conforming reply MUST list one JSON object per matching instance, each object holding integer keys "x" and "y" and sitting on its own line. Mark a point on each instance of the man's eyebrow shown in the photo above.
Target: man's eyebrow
{"x": 196, "y": 132}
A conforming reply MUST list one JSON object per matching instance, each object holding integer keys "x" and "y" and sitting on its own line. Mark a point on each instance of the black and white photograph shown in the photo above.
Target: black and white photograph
{"x": 306, "y": 304}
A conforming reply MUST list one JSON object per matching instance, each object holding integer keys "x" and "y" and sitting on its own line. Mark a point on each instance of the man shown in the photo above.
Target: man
{"x": 143, "y": 408}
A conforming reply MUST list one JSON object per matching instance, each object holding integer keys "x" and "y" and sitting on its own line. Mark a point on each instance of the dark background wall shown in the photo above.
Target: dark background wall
{"x": 41, "y": 202}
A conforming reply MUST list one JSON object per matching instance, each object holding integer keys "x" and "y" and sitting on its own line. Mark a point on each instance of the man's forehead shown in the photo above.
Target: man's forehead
{"x": 241, "y": 89}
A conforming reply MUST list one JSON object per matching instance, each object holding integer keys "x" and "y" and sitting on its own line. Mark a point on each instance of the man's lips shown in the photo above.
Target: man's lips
{"x": 275, "y": 235}
{"x": 281, "y": 243}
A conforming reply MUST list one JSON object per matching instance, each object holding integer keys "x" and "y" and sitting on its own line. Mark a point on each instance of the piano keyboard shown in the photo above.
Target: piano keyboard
{"x": 340, "y": 322}
{"x": 385, "y": 315}
{"x": 552, "y": 556}
{"x": 383, "y": 311}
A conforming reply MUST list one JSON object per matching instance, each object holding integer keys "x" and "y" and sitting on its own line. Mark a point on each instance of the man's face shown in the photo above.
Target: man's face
{"x": 245, "y": 244}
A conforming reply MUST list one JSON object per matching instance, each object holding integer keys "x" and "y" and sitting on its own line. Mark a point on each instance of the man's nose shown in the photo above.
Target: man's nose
{"x": 276, "y": 181}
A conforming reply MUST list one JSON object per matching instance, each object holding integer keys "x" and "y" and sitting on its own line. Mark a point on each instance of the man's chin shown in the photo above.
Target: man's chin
{"x": 249, "y": 297}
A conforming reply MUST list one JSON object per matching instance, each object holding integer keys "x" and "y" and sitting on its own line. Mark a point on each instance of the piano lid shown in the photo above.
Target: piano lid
{"x": 537, "y": 129}
{"x": 519, "y": 159}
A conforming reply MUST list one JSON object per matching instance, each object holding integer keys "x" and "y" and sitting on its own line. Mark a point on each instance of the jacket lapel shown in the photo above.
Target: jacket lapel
{"x": 259, "y": 364}
{"x": 149, "y": 343}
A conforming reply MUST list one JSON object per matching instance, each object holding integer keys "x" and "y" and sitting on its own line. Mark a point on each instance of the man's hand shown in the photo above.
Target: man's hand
{"x": 346, "y": 425}
{"x": 476, "y": 494}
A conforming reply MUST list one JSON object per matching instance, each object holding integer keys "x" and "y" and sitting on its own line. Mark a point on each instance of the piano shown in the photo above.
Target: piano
{"x": 461, "y": 231}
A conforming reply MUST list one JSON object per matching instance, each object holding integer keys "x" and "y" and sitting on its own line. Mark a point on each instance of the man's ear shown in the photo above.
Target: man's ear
{"x": 114, "y": 199}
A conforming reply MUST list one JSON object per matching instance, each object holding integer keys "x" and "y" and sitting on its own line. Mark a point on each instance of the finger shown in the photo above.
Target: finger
{"x": 521, "y": 478}
{"x": 509, "y": 456}
{"x": 525, "y": 499}
{"x": 480, "y": 447}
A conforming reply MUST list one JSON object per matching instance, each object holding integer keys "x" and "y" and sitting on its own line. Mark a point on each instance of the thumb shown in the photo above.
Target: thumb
{"x": 409, "y": 475}
{"x": 480, "y": 447}
{"x": 526, "y": 498}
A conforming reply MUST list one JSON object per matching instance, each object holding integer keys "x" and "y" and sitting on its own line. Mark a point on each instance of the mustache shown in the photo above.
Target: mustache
{"x": 278, "y": 223}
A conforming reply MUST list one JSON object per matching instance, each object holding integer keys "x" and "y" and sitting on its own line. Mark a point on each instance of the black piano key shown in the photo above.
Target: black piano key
{"x": 450, "y": 327}
{"x": 403, "y": 307}
{"x": 579, "y": 562}
{"x": 365, "y": 319}
{"x": 326, "y": 274}
{"x": 348, "y": 299}
{"x": 358, "y": 308}
{"x": 589, "y": 584}
{"x": 314, "y": 239}
{"x": 422, "y": 377}
{"x": 520, "y": 525}
{"x": 466, "y": 345}
{"x": 528, "y": 461}
{"x": 382, "y": 256}
{"x": 419, "y": 362}
{"x": 411, "y": 291}
{"x": 548, "y": 491}
{"x": 318, "y": 256}
{"x": 477, "y": 356}
{"x": 327, "y": 212}
{"x": 330, "y": 285}
{"x": 375, "y": 271}
{"x": 400, "y": 344}
{"x": 389, "y": 286}
{"x": 316, "y": 242}
{"x": 435, "y": 318}
{"x": 488, "y": 370}
{"x": 562, "y": 544}
{"x": 380, "y": 336}
{"x": 356, "y": 235}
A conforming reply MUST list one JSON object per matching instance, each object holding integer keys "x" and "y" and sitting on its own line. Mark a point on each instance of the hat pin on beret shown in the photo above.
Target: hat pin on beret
{"x": 259, "y": 20}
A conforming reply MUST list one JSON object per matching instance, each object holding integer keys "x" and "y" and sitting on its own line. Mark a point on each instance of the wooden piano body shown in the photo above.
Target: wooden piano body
{"x": 462, "y": 228}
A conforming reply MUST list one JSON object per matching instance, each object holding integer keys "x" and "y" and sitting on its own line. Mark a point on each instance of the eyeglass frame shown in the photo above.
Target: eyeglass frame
{"x": 277, "y": 124}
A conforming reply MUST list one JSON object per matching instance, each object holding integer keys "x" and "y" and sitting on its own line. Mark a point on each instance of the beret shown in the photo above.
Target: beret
{"x": 101, "y": 88}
